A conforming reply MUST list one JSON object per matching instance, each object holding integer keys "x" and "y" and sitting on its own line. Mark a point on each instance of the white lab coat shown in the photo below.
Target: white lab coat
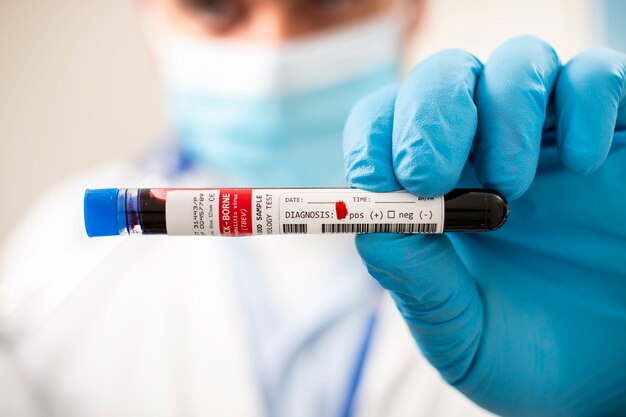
{"x": 152, "y": 326}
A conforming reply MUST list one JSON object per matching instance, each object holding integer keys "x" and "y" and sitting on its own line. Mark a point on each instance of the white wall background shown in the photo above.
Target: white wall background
{"x": 77, "y": 86}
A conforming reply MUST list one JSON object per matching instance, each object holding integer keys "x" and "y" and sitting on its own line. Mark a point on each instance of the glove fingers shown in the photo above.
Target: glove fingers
{"x": 434, "y": 293}
{"x": 590, "y": 90}
{"x": 435, "y": 123}
{"x": 420, "y": 139}
{"x": 367, "y": 142}
{"x": 512, "y": 97}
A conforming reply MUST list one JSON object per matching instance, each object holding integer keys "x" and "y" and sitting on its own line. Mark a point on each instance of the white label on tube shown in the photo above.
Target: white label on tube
{"x": 247, "y": 212}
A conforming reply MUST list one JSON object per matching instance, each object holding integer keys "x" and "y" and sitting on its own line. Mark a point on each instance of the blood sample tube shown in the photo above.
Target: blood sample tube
{"x": 265, "y": 211}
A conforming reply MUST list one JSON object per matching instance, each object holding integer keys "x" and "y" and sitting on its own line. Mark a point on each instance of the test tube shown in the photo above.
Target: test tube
{"x": 271, "y": 211}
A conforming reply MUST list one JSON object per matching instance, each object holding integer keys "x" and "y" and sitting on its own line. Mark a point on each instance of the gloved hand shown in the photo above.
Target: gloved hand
{"x": 530, "y": 319}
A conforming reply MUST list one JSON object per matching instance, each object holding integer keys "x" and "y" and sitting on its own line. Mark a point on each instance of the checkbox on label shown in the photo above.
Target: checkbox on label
{"x": 391, "y": 214}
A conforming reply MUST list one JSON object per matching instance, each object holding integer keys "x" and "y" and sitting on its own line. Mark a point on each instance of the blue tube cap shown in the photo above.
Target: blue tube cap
{"x": 101, "y": 212}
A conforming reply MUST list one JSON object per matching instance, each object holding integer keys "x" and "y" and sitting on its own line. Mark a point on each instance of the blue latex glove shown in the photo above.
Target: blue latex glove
{"x": 531, "y": 319}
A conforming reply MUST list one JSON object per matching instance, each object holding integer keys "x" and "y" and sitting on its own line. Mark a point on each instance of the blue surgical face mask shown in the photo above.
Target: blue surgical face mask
{"x": 260, "y": 115}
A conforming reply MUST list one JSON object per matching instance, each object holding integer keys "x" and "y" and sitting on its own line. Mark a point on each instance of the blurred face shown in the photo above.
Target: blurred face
{"x": 272, "y": 21}
{"x": 259, "y": 90}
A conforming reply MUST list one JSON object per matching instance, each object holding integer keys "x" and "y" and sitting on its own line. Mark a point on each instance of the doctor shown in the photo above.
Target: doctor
{"x": 529, "y": 320}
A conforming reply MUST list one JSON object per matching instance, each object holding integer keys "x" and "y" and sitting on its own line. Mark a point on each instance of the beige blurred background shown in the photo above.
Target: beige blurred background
{"x": 77, "y": 86}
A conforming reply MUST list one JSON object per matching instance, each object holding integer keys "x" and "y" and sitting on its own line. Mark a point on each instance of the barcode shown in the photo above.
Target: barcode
{"x": 380, "y": 228}
{"x": 294, "y": 228}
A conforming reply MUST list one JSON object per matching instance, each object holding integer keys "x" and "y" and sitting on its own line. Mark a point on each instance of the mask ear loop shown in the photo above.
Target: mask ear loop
{"x": 398, "y": 13}
{"x": 396, "y": 17}
{"x": 154, "y": 25}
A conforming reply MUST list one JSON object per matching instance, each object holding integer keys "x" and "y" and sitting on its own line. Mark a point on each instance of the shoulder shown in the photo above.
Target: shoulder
{"x": 50, "y": 232}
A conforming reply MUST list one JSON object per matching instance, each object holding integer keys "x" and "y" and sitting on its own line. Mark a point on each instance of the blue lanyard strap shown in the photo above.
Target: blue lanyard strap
{"x": 355, "y": 381}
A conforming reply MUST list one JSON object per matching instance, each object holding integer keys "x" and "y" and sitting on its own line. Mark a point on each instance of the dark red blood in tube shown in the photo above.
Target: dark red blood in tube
{"x": 466, "y": 210}
{"x": 151, "y": 213}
